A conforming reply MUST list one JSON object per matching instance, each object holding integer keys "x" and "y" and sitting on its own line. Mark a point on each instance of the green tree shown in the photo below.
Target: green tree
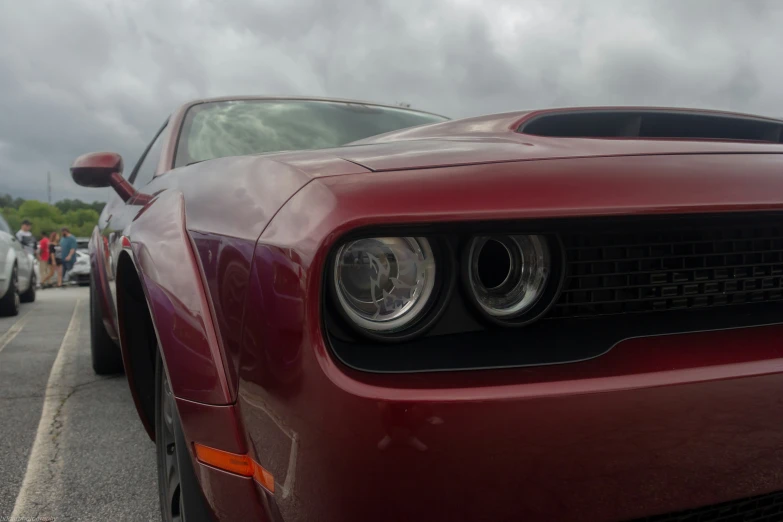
{"x": 11, "y": 215}
{"x": 8, "y": 201}
{"x": 67, "y": 205}
{"x": 79, "y": 217}
{"x": 33, "y": 209}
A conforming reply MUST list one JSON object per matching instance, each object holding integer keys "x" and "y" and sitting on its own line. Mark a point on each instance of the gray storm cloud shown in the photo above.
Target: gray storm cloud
{"x": 83, "y": 75}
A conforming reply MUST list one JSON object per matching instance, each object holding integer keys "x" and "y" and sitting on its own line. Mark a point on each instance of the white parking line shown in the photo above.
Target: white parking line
{"x": 12, "y": 332}
{"x": 40, "y": 485}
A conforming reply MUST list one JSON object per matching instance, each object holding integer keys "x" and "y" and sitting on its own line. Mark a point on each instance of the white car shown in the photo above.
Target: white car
{"x": 17, "y": 277}
{"x": 80, "y": 273}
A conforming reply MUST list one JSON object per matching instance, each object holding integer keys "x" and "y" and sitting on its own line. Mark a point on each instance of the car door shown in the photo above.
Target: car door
{"x": 25, "y": 263}
{"x": 118, "y": 215}
{"x": 5, "y": 245}
{"x": 9, "y": 242}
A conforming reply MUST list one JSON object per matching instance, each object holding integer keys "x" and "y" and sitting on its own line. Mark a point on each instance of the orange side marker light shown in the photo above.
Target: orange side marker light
{"x": 238, "y": 464}
{"x": 263, "y": 477}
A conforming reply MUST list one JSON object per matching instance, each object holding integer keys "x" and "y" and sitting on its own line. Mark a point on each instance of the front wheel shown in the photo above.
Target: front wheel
{"x": 29, "y": 295}
{"x": 10, "y": 302}
{"x": 106, "y": 355}
{"x": 180, "y": 495}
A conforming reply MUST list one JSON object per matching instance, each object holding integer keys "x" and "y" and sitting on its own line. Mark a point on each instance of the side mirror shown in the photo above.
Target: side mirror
{"x": 96, "y": 169}
{"x": 104, "y": 169}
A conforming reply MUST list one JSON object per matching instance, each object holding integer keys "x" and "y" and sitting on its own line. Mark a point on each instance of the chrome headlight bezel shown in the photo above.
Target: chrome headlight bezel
{"x": 419, "y": 316}
{"x": 529, "y": 307}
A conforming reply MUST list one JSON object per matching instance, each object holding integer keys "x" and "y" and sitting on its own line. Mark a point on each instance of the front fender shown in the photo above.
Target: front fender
{"x": 173, "y": 286}
{"x": 98, "y": 267}
{"x": 5, "y": 278}
{"x": 10, "y": 258}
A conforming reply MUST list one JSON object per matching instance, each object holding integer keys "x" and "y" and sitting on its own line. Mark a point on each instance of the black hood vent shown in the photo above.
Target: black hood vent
{"x": 660, "y": 124}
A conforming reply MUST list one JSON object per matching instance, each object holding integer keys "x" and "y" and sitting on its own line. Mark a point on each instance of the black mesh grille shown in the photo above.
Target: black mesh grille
{"x": 670, "y": 269}
{"x": 767, "y": 508}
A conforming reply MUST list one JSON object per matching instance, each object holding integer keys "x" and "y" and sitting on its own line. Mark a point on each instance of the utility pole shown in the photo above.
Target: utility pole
{"x": 49, "y": 187}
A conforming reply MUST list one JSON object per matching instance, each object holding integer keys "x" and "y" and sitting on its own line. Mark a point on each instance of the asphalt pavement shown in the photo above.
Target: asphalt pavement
{"x": 71, "y": 445}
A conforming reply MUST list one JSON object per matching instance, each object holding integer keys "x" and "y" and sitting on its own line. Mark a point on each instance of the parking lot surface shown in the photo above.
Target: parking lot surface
{"x": 71, "y": 446}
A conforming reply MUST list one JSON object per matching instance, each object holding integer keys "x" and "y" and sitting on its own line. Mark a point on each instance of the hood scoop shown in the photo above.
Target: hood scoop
{"x": 653, "y": 124}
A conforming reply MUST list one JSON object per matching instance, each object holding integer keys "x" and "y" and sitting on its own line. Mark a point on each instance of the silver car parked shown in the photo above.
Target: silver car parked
{"x": 17, "y": 279}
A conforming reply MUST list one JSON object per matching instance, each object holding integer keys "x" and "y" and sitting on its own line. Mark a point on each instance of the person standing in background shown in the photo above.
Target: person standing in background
{"x": 47, "y": 271}
{"x": 55, "y": 261}
{"x": 67, "y": 251}
{"x": 25, "y": 237}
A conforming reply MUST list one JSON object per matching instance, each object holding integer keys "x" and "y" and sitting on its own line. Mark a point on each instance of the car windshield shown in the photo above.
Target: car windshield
{"x": 236, "y": 128}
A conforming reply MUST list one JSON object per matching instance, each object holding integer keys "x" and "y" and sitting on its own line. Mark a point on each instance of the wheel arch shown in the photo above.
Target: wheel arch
{"x": 162, "y": 304}
{"x": 135, "y": 327}
{"x": 10, "y": 260}
{"x": 100, "y": 278}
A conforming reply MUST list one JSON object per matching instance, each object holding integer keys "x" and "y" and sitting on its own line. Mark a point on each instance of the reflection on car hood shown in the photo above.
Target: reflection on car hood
{"x": 512, "y": 137}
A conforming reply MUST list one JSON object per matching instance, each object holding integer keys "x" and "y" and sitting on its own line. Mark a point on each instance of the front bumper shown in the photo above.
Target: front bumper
{"x": 82, "y": 279}
{"x": 80, "y": 274}
{"x": 80, "y": 270}
{"x": 656, "y": 425}
{"x": 615, "y": 438}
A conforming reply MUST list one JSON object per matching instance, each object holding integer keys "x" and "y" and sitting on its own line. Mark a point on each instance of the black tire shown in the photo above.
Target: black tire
{"x": 10, "y": 302}
{"x": 106, "y": 355}
{"x": 29, "y": 295}
{"x": 181, "y": 498}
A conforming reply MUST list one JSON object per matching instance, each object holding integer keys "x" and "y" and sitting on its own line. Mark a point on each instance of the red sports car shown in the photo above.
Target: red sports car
{"x": 570, "y": 314}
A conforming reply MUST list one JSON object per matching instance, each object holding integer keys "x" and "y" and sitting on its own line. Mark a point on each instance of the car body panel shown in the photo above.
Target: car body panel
{"x": 265, "y": 187}
{"x": 621, "y": 431}
{"x": 221, "y": 238}
{"x": 493, "y": 139}
{"x": 507, "y": 124}
{"x": 580, "y": 454}
{"x": 80, "y": 273}
{"x": 584, "y": 454}
{"x": 173, "y": 285}
{"x": 7, "y": 257}
{"x": 225, "y": 264}
{"x": 440, "y": 152}
{"x": 235, "y": 290}
{"x": 232, "y": 497}
{"x": 535, "y": 190}
{"x": 11, "y": 252}
{"x": 99, "y": 270}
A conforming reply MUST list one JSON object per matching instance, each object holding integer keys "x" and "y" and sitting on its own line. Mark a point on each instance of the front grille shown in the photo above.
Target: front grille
{"x": 767, "y": 508}
{"x": 670, "y": 269}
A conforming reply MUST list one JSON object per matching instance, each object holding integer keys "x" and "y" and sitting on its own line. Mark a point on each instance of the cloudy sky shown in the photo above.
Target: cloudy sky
{"x": 84, "y": 75}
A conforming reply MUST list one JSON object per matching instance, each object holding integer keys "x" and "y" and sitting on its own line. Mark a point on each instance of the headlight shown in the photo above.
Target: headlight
{"x": 384, "y": 284}
{"x": 507, "y": 274}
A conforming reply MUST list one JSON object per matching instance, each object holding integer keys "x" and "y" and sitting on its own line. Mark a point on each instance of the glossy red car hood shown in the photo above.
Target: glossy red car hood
{"x": 443, "y": 152}
{"x": 495, "y": 138}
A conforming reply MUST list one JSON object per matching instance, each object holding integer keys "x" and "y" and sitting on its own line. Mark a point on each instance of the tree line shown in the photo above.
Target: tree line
{"x": 80, "y": 217}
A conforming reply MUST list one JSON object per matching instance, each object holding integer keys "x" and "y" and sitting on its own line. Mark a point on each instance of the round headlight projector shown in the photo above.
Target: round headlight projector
{"x": 507, "y": 275}
{"x": 384, "y": 284}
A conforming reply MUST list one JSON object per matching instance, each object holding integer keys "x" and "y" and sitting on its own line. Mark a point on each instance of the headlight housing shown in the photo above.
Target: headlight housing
{"x": 384, "y": 285}
{"x": 507, "y": 275}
